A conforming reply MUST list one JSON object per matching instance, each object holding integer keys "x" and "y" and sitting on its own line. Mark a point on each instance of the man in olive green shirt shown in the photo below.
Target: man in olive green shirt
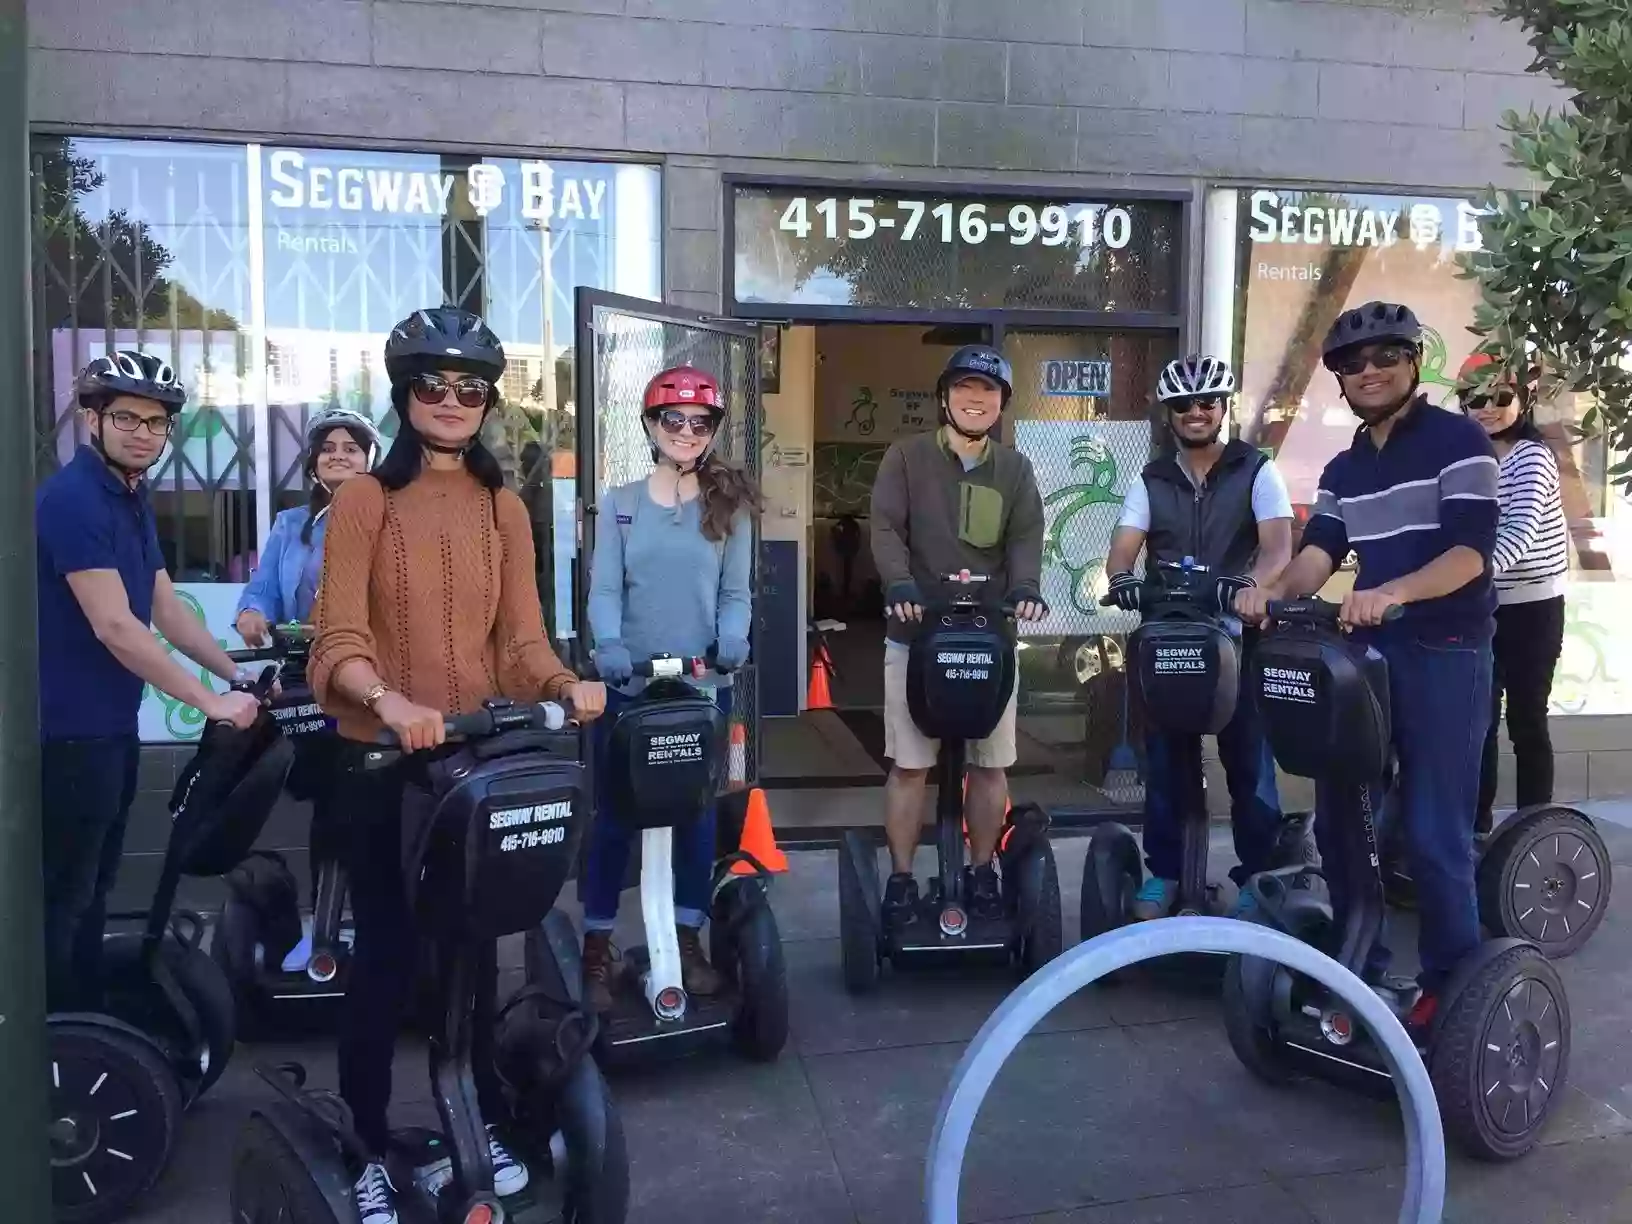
{"x": 944, "y": 502}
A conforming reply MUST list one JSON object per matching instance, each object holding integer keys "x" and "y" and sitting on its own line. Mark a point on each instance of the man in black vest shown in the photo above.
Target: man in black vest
{"x": 1225, "y": 505}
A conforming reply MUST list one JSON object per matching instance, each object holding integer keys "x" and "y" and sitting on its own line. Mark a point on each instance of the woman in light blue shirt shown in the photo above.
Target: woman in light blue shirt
{"x": 670, "y": 575}
{"x": 339, "y": 445}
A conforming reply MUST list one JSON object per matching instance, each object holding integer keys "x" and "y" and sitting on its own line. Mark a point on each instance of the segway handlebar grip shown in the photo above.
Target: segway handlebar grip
{"x": 1317, "y": 611}
{"x": 495, "y": 718}
{"x": 676, "y": 667}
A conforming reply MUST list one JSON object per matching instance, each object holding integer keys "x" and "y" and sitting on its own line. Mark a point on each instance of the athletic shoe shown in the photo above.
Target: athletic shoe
{"x": 509, "y": 1174}
{"x": 900, "y": 901}
{"x": 983, "y": 891}
{"x": 376, "y": 1197}
{"x": 299, "y": 957}
{"x": 1155, "y": 899}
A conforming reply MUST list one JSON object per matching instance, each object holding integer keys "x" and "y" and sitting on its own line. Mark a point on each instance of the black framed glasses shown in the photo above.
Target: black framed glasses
{"x": 1384, "y": 357}
{"x": 130, "y": 422}
{"x": 470, "y": 392}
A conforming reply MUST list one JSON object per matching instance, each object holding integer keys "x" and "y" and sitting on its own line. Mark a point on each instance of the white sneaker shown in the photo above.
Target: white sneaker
{"x": 510, "y": 1176}
{"x": 299, "y": 956}
{"x": 376, "y": 1197}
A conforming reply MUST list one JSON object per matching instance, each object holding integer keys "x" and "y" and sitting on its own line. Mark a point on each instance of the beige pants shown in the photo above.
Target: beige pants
{"x": 910, "y": 748}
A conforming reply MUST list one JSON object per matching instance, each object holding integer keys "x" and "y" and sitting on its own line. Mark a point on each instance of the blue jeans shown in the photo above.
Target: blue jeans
{"x": 610, "y": 842}
{"x": 1249, "y": 772}
{"x": 1439, "y": 689}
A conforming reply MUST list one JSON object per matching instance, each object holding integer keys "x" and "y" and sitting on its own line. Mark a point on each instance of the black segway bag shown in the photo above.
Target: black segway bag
{"x": 490, "y": 834}
{"x": 1189, "y": 673}
{"x": 960, "y": 674}
{"x": 1325, "y": 704}
{"x": 665, "y": 746}
{"x": 225, "y": 795}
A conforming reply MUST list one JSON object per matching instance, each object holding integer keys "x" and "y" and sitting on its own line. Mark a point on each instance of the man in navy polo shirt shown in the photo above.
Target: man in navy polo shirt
{"x": 101, "y": 584}
{"x": 1415, "y": 497}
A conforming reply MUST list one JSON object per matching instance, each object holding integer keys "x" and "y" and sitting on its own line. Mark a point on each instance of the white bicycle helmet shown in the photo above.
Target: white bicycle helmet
{"x": 1195, "y": 377}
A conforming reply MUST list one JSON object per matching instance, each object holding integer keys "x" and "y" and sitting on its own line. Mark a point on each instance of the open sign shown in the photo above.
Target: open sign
{"x": 1086, "y": 379}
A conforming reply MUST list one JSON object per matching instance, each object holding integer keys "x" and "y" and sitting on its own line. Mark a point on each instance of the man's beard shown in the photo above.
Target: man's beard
{"x": 1190, "y": 443}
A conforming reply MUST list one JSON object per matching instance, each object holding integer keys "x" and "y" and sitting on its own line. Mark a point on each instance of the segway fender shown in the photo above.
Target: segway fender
{"x": 1111, "y": 864}
{"x": 319, "y": 1154}
{"x": 553, "y": 961}
{"x": 863, "y": 854}
{"x": 105, "y": 1021}
{"x": 596, "y": 1161}
{"x": 1472, "y": 965}
{"x": 1514, "y": 819}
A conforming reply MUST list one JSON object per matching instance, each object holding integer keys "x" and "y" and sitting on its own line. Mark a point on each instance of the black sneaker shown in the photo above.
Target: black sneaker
{"x": 983, "y": 892}
{"x": 900, "y": 901}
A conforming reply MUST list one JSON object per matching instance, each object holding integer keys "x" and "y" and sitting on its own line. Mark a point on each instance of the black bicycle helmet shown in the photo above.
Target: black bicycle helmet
{"x": 1373, "y": 323}
{"x": 443, "y": 338}
{"x": 128, "y": 372}
{"x": 979, "y": 359}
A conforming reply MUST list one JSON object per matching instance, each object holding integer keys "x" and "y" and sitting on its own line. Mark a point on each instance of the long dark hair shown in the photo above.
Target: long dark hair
{"x": 404, "y": 461}
{"x": 318, "y": 500}
{"x": 723, "y": 490}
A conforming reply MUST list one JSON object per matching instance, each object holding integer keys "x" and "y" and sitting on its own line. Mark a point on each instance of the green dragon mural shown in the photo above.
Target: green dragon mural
{"x": 1063, "y": 505}
{"x": 180, "y": 719}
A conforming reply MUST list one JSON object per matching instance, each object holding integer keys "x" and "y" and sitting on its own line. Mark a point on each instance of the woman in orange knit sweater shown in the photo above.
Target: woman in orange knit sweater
{"x": 428, "y": 605}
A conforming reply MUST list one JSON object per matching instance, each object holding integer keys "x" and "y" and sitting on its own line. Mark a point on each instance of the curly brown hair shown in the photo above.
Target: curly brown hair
{"x": 725, "y": 489}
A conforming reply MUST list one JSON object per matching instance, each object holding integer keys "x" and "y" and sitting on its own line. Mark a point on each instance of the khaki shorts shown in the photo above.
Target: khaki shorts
{"x": 910, "y": 748}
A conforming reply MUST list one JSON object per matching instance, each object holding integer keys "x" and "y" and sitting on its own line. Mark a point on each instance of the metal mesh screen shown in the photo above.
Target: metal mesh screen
{"x": 1081, "y": 413}
{"x": 962, "y": 253}
{"x": 628, "y": 349}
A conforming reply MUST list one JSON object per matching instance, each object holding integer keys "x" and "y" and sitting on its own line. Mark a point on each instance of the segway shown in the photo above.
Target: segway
{"x": 488, "y": 841}
{"x": 260, "y": 921}
{"x": 1544, "y": 875}
{"x": 1186, "y": 666}
{"x": 960, "y": 677}
{"x": 121, "y": 1076}
{"x": 665, "y": 770}
{"x": 1498, "y": 1046}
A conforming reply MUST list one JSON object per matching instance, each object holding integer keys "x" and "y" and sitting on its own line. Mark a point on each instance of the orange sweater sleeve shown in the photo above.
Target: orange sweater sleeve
{"x": 523, "y": 646}
{"x": 340, "y": 614}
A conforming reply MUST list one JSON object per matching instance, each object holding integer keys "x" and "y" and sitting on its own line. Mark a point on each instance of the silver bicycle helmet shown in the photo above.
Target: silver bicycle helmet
{"x": 1195, "y": 377}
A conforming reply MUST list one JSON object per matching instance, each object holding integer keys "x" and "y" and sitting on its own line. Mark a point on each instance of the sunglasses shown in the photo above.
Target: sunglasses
{"x": 469, "y": 392}
{"x": 1502, "y": 399}
{"x": 1206, "y": 404}
{"x": 129, "y": 422}
{"x": 674, "y": 422}
{"x": 1384, "y": 358}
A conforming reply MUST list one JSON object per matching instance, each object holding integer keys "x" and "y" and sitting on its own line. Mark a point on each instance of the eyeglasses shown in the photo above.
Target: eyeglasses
{"x": 130, "y": 422}
{"x": 1502, "y": 399}
{"x": 1182, "y": 406}
{"x": 674, "y": 422}
{"x": 433, "y": 389}
{"x": 1384, "y": 358}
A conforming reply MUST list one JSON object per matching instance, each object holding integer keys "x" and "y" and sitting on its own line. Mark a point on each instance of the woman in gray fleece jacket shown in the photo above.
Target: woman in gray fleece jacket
{"x": 670, "y": 575}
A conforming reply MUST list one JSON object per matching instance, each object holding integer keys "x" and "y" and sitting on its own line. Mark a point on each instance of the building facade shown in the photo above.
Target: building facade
{"x": 261, "y": 189}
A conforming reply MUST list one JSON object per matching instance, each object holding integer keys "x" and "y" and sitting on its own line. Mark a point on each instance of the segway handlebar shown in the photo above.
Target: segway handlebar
{"x": 966, "y": 599}
{"x": 496, "y": 717}
{"x": 679, "y": 667}
{"x": 287, "y": 640}
{"x": 1319, "y": 612}
{"x": 1181, "y": 588}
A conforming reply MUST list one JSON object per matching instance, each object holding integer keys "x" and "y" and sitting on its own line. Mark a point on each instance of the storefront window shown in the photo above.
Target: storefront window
{"x": 1306, "y": 256}
{"x": 269, "y": 277}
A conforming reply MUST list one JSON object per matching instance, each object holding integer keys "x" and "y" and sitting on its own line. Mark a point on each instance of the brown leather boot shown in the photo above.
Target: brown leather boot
{"x": 598, "y": 969}
{"x": 696, "y": 974}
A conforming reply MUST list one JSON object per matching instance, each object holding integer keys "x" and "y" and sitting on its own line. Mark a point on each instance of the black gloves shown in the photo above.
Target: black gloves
{"x": 1124, "y": 591}
{"x": 1224, "y": 590}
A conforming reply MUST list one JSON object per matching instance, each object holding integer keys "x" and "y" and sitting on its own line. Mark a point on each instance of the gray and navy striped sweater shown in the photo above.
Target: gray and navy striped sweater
{"x": 1532, "y": 557}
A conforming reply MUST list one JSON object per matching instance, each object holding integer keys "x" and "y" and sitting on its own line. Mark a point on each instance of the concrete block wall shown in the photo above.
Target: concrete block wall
{"x": 1388, "y": 92}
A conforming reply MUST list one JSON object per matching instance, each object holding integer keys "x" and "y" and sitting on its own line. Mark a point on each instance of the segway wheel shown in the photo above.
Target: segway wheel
{"x": 1501, "y": 1055}
{"x": 1249, "y": 984}
{"x": 136, "y": 999}
{"x": 1111, "y": 875}
{"x": 859, "y": 898}
{"x": 271, "y": 1184}
{"x": 115, "y": 1108}
{"x": 1042, "y": 928}
{"x": 590, "y": 1155}
{"x": 754, "y": 962}
{"x": 1546, "y": 879}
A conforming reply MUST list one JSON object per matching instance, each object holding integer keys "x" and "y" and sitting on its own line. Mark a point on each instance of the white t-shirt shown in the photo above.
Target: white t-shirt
{"x": 1270, "y": 499}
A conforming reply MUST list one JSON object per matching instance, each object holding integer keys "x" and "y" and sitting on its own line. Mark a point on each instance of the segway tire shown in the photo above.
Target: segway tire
{"x": 1042, "y": 927}
{"x": 232, "y": 947}
{"x": 1501, "y": 1055}
{"x": 859, "y": 897}
{"x": 1546, "y": 880}
{"x": 270, "y": 1183}
{"x": 1249, "y": 984}
{"x": 115, "y": 1110}
{"x": 755, "y": 963}
{"x": 594, "y": 1176}
{"x": 132, "y": 996}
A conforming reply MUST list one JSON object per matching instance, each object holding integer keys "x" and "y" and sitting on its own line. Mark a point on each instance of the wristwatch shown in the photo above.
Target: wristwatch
{"x": 372, "y": 697}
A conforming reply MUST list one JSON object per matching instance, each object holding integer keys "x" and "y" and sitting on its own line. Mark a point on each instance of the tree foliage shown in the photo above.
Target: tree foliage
{"x": 1556, "y": 271}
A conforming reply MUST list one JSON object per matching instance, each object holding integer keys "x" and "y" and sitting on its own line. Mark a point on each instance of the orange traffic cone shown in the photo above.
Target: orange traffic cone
{"x": 758, "y": 839}
{"x": 737, "y": 758}
{"x": 820, "y": 696}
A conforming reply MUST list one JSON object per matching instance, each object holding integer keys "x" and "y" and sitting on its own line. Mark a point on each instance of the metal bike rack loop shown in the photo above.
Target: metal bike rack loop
{"x": 1086, "y": 963}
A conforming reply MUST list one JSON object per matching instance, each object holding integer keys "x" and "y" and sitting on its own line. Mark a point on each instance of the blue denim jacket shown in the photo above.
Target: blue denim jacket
{"x": 275, "y": 588}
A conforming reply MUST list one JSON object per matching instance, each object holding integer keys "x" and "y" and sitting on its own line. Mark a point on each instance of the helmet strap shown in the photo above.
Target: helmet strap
{"x": 952, "y": 422}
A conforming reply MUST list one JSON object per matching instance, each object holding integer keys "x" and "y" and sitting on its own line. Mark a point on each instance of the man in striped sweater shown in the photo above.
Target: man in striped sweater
{"x": 1414, "y": 497}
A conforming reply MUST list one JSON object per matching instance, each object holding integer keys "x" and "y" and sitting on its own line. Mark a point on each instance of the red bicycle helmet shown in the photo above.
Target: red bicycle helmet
{"x": 683, "y": 387}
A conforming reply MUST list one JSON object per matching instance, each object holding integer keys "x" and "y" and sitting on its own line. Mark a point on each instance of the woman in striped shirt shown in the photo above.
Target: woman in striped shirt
{"x": 1530, "y": 564}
